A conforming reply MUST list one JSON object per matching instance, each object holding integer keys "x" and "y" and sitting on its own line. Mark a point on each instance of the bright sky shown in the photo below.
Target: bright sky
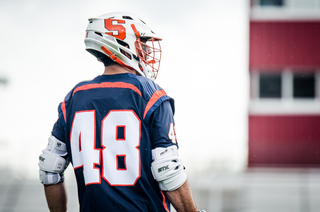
{"x": 204, "y": 68}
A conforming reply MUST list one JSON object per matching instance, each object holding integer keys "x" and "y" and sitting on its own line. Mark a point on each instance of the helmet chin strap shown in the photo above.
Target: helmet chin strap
{"x": 115, "y": 58}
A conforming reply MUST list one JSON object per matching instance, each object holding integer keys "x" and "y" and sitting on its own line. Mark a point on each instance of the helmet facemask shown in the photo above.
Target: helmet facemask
{"x": 149, "y": 52}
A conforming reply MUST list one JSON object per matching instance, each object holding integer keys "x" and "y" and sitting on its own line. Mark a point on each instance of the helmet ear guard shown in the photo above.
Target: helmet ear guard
{"x": 127, "y": 40}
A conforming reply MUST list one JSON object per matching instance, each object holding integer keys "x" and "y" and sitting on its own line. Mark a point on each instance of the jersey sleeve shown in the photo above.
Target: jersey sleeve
{"x": 154, "y": 96}
{"x": 154, "y": 102}
{"x": 162, "y": 123}
{"x": 58, "y": 130}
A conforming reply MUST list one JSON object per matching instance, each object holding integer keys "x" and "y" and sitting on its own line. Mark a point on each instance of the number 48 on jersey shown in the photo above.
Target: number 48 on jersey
{"x": 86, "y": 155}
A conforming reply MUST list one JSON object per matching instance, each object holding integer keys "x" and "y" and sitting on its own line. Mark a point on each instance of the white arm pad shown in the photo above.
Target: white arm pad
{"x": 167, "y": 168}
{"x": 51, "y": 162}
{"x": 56, "y": 146}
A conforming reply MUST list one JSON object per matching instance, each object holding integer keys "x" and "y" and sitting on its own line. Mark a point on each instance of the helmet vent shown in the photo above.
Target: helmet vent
{"x": 125, "y": 53}
{"x": 136, "y": 57}
{"x": 127, "y": 17}
{"x": 98, "y": 33}
{"x": 123, "y": 43}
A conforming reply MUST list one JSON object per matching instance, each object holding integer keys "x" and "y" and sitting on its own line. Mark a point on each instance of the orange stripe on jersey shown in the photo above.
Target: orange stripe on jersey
{"x": 164, "y": 202}
{"x": 107, "y": 85}
{"x": 63, "y": 108}
{"x": 156, "y": 95}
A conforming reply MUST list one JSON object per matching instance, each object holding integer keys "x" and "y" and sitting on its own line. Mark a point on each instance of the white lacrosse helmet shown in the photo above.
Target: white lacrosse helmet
{"x": 127, "y": 40}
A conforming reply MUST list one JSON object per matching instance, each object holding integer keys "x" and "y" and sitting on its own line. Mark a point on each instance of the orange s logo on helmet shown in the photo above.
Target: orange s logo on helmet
{"x": 118, "y": 31}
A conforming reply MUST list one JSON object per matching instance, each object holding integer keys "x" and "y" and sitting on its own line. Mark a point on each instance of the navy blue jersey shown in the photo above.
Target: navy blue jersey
{"x": 110, "y": 125}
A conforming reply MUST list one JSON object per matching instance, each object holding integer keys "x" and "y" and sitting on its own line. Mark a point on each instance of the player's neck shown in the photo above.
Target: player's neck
{"x": 116, "y": 69}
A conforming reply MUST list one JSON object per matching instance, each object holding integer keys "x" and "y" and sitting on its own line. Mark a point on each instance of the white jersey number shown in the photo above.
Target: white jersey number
{"x": 120, "y": 141}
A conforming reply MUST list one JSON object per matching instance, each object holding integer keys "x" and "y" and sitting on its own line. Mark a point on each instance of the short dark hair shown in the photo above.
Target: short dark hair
{"x": 107, "y": 61}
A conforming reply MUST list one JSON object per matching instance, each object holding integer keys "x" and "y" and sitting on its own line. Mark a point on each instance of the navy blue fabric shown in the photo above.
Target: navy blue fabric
{"x": 145, "y": 194}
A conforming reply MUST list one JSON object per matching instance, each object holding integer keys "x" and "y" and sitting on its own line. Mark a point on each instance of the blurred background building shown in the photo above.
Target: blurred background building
{"x": 284, "y": 66}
